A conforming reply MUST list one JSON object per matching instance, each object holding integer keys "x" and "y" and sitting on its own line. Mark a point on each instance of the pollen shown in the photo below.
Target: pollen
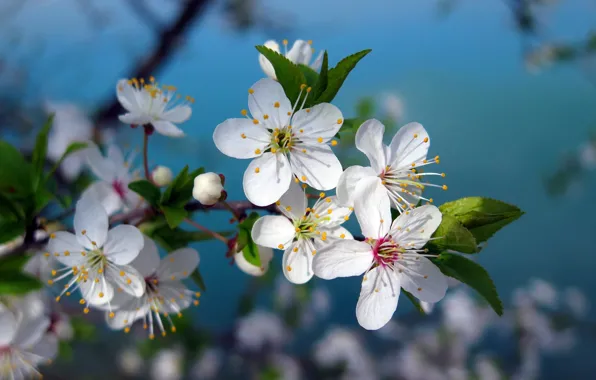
{"x": 265, "y": 117}
{"x": 333, "y": 142}
{"x": 129, "y": 281}
{"x": 58, "y": 299}
{"x": 50, "y": 282}
{"x": 281, "y": 246}
{"x": 339, "y": 121}
{"x": 444, "y": 187}
{"x": 425, "y": 139}
{"x": 243, "y": 135}
{"x": 443, "y": 175}
{"x": 288, "y": 208}
{"x": 329, "y": 211}
{"x": 303, "y": 178}
{"x": 112, "y": 315}
{"x": 196, "y": 302}
{"x": 302, "y": 86}
{"x": 320, "y": 140}
{"x": 83, "y": 232}
{"x": 257, "y": 170}
{"x": 82, "y": 301}
{"x": 347, "y": 217}
{"x": 257, "y": 151}
{"x": 342, "y": 236}
{"x": 86, "y": 310}
{"x": 251, "y": 91}
{"x": 419, "y": 289}
{"x": 295, "y": 249}
{"x": 314, "y": 252}
{"x": 309, "y": 89}
{"x": 255, "y": 121}
{"x": 47, "y": 254}
{"x": 52, "y": 236}
{"x": 126, "y": 330}
{"x": 276, "y": 104}
{"x": 285, "y": 42}
{"x": 289, "y": 268}
{"x": 244, "y": 112}
{"x": 121, "y": 273}
{"x": 415, "y": 135}
{"x": 302, "y": 131}
{"x": 100, "y": 295}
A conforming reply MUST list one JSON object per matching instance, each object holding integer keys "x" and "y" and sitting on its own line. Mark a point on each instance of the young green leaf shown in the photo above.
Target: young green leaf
{"x": 472, "y": 274}
{"x": 10, "y": 209}
{"x": 146, "y": 190}
{"x": 338, "y": 75}
{"x": 17, "y": 283}
{"x": 197, "y": 277}
{"x": 310, "y": 75}
{"x": 414, "y": 301}
{"x": 288, "y": 73}
{"x": 172, "y": 239}
{"x": 42, "y": 197}
{"x": 321, "y": 84}
{"x": 452, "y": 235}
{"x": 482, "y": 216}
{"x": 41, "y": 149}
{"x": 170, "y": 194}
{"x": 11, "y": 229}
{"x": 250, "y": 250}
{"x": 72, "y": 148}
{"x": 16, "y": 174}
{"x": 174, "y": 216}
{"x": 14, "y": 263}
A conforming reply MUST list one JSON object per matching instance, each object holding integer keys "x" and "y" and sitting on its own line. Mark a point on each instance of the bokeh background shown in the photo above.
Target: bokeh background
{"x": 507, "y": 91}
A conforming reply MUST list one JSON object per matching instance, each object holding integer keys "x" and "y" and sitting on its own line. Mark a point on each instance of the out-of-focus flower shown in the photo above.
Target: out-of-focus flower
{"x": 207, "y": 188}
{"x": 543, "y": 293}
{"x": 265, "y": 254}
{"x": 300, "y": 53}
{"x": 576, "y": 301}
{"x": 393, "y": 106}
{"x": 486, "y": 369}
{"x": 167, "y": 364}
{"x": 260, "y": 329}
{"x": 208, "y": 365}
{"x": 302, "y": 230}
{"x": 287, "y": 367}
{"x": 463, "y": 317}
{"x": 283, "y": 141}
{"x": 162, "y": 176}
{"x": 587, "y": 155}
{"x": 70, "y": 125}
{"x": 150, "y": 103}
{"x": 392, "y": 331}
{"x": 130, "y": 362}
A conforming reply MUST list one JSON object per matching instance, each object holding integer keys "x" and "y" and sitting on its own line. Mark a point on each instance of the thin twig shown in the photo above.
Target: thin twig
{"x": 207, "y": 230}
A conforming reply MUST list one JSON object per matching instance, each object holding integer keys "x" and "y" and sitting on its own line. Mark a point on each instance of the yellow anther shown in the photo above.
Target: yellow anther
{"x": 196, "y": 303}
{"x": 83, "y": 232}
{"x": 443, "y": 175}
{"x": 197, "y": 294}
{"x": 346, "y": 217}
{"x": 50, "y": 282}
{"x": 296, "y": 180}
{"x": 289, "y": 113}
{"x": 86, "y": 310}
{"x": 112, "y": 315}
{"x": 58, "y": 299}
{"x": 285, "y": 42}
{"x": 122, "y": 273}
{"x": 151, "y": 336}
{"x": 339, "y": 121}
{"x": 329, "y": 211}
{"x": 415, "y": 135}
{"x": 173, "y": 278}
{"x": 303, "y": 150}
{"x": 289, "y": 268}
{"x": 265, "y": 117}
{"x": 444, "y": 187}
{"x": 129, "y": 281}
{"x": 54, "y": 272}
{"x": 320, "y": 140}
{"x": 425, "y": 139}
{"x": 52, "y": 236}
{"x": 82, "y": 301}
{"x": 257, "y": 170}
{"x": 251, "y": 91}
{"x": 309, "y": 89}
{"x": 100, "y": 270}
{"x": 342, "y": 236}
{"x": 173, "y": 329}
{"x": 413, "y": 164}
{"x": 47, "y": 254}
{"x": 436, "y": 158}
{"x": 288, "y": 208}
{"x": 257, "y": 151}
{"x": 314, "y": 252}
{"x": 276, "y": 104}
{"x": 281, "y": 246}
{"x": 255, "y": 121}
{"x": 307, "y": 110}
{"x": 303, "y": 178}
{"x": 100, "y": 295}
{"x": 328, "y": 200}
{"x": 243, "y": 135}
{"x": 295, "y": 249}
{"x": 430, "y": 200}
{"x": 244, "y": 112}
{"x": 302, "y": 131}
{"x": 324, "y": 236}
{"x": 273, "y": 150}
{"x": 302, "y": 86}
{"x": 93, "y": 243}
{"x": 126, "y": 330}
{"x": 333, "y": 142}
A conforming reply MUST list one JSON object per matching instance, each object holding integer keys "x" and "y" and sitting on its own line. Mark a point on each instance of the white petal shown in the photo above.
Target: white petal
{"x": 378, "y": 298}
{"x": 45, "y": 349}
{"x": 273, "y": 231}
{"x": 123, "y": 244}
{"x": 264, "y": 62}
{"x": 330, "y": 209}
{"x": 318, "y": 165}
{"x": 405, "y": 148}
{"x": 348, "y": 181}
{"x": 297, "y": 266}
{"x": 323, "y": 120}
{"x": 31, "y": 330}
{"x": 179, "y": 264}
{"x": 101, "y": 166}
{"x": 8, "y": 326}
{"x": 148, "y": 260}
{"x": 272, "y": 180}
{"x": 134, "y": 119}
{"x": 316, "y": 65}
{"x": 293, "y": 203}
{"x": 300, "y": 53}
{"x": 126, "y": 317}
{"x": 174, "y": 290}
{"x": 126, "y": 96}
{"x": 372, "y": 207}
{"x": 414, "y": 228}
{"x": 229, "y": 138}
{"x": 177, "y": 114}
{"x": 68, "y": 247}
{"x": 343, "y": 258}
{"x": 103, "y": 193}
{"x": 96, "y": 293}
{"x": 167, "y": 128}
{"x": 267, "y": 93}
{"x": 128, "y": 279}
{"x": 249, "y": 268}
{"x": 369, "y": 140}
{"x": 337, "y": 232}
{"x": 424, "y": 280}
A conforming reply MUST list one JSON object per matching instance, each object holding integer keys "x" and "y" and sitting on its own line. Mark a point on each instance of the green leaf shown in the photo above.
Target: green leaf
{"x": 197, "y": 277}
{"x": 338, "y": 75}
{"x": 10, "y": 209}
{"x": 472, "y": 274}
{"x": 482, "y": 216}
{"x": 11, "y": 229}
{"x": 414, "y": 301}
{"x": 312, "y": 77}
{"x": 176, "y": 183}
{"x": 65, "y": 201}
{"x": 83, "y": 329}
{"x": 12, "y": 264}
{"x": 250, "y": 251}
{"x": 65, "y": 351}
{"x": 288, "y": 73}
{"x": 365, "y": 108}
{"x": 41, "y": 148}
{"x": 174, "y": 216}
{"x": 179, "y": 193}
{"x": 17, "y": 283}
{"x": 172, "y": 239}
{"x": 16, "y": 174}
{"x": 351, "y": 125}
{"x": 72, "y": 148}
{"x": 146, "y": 190}
{"x": 42, "y": 198}
{"x": 452, "y": 235}
{"x": 321, "y": 84}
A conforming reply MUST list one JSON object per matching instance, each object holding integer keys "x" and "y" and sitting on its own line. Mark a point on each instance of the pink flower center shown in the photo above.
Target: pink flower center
{"x": 385, "y": 251}
{"x": 119, "y": 188}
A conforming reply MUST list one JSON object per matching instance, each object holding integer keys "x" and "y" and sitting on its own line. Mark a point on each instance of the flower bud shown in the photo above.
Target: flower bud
{"x": 207, "y": 189}
{"x": 162, "y": 176}
{"x": 266, "y": 255}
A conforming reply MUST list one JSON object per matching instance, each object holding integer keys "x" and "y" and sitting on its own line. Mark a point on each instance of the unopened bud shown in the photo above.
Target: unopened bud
{"x": 162, "y": 176}
{"x": 207, "y": 189}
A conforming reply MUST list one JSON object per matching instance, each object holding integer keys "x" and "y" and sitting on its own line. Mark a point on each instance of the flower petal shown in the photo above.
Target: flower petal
{"x": 267, "y": 93}
{"x": 102, "y": 167}
{"x": 265, "y": 254}
{"x": 372, "y": 207}
{"x": 408, "y": 146}
{"x": 300, "y": 53}
{"x": 96, "y": 293}
{"x": 264, "y": 62}
{"x": 273, "y": 231}
{"x": 128, "y": 279}
{"x": 267, "y": 178}
{"x": 8, "y": 326}
{"x": 103, "y": 193}
{"x": 334, "y": 213}
{"x": 369, "y": 140}
{"x": 177, "y": 294}
{"x": 378, "y": 298}
{"x": 240, "y": 138}
{"x": 134, "y": 119}
{"x": 148, "y": 259}
{"x": 126, "y": 96}
{"x": 347, "y": 182}
{"x": 167, "y": 128}
{"x": 297, "y": 266}
{"x": 45, "y": 349}
{"x": 177, "y": 114}
{"x": 424, "y": 280}
{"x": 321, "y": 121}
{"x": 126, "y": 317}
{"x": 318, "y": 167}
{"x": 293, "y": 203}
{"x": 179, "y": 264}
{"x": 30, "y": 331}
{"x": 338, "y": 232}
{"x": 343, "y": 258}
{"x": 414, "y": 229}
{"x": 68, "y": 248}
{"x": 123, "y": 245}
{"x": 316, "y": 65}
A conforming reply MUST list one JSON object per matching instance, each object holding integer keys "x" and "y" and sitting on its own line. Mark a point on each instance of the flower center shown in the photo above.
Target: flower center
{"x": 386, "y": 251}
{"x": 282, "y": 140}
{"x": 119, "y": 188}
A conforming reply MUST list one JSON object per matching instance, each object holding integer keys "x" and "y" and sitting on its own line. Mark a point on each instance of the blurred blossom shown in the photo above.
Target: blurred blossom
{"x": 208, "y": 365}
{"x": 412, "y": 364}
{"x": 287, "y": 367}
{"x": 587, "y": 155}
{"x": 576, "y": 301}
{"x": 167, "y": 365}
{"x": 427, "y": 306}
{"x": 284, "y": 292}
{"x": 529, "y": 367}
{"x": 486, "y": 369}
{"x": 130, "y": 362}
{"x": 320, "y": 301}
{"x": 393, "y": 106}
{"x": 543, "y": 293}
{"x": 260, "y": 329}
{"x": 463, "y": 317}
{"x": 392, "y": 331}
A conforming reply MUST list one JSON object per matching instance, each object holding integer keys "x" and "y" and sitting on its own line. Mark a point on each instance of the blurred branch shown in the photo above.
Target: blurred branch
{"x": 169, "y": 40}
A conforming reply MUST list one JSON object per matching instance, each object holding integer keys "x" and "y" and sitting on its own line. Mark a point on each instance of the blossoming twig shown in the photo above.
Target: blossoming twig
{"x": 205, "y": 229}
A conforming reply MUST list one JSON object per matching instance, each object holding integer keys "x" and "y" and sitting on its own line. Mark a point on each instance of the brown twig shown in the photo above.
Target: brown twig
{"x": 207, "y": 230}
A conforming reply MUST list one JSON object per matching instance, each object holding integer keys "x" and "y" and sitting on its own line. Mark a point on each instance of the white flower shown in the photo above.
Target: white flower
{"x": 208, "y": 365}
{"x": 162, "y": 176}
{"x": 543, "y": 293}
{"x": 148, "y": 103}
{"x": 130, "y": 362}
{"x": 96, "y": 258}
{"x": 114, "y": 176}
{"x": 70, "y": 125}
{"x": 587, "y": 155}
{"x": 259, "y": 329}
{"x": 207, "y": 188}
{"x": 265, "y": 254}
{"x": 463, "y": 317}
{"x": 394, "y": 106}
{"x": 287, "y": 367}
{"x": 24, "y": 344}
{"x": 164, "y": 292}
{"x": 300, "y": 53}
{"x": 284, "y": 141}
{"x": 392, "y": 257}
{"x": 576, "y": 301}
{"x": 395, "y": 167}
{"x": 302, "y": 230}
{"x": 167, "y": 365}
